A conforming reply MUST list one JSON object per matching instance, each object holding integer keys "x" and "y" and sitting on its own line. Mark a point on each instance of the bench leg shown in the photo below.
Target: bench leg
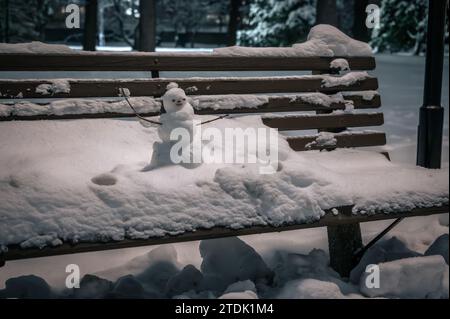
{"x": 343, "y": 242}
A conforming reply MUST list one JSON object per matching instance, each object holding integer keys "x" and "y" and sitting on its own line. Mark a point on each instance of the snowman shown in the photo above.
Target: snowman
{"x": 179, "y": 114}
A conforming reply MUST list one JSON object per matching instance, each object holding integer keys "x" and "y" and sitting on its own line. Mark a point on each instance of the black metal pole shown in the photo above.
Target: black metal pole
{"x": 431, "y": 120}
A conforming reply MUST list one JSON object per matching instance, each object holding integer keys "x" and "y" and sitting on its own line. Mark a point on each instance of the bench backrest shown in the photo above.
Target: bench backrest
{"x": 327, "y": 97}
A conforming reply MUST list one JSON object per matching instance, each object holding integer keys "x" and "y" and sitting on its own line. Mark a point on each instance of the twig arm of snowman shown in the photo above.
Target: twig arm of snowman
{"x": 125, "y": 95}
{"x": 214, "y": 119}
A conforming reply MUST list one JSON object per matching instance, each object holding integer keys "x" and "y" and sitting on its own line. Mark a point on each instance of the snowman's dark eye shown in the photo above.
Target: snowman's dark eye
{"x": 184, "y": 99}
{"x": 173, "y": 101}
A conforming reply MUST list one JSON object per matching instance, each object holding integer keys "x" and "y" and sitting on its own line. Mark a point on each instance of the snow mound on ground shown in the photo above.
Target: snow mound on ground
{"x": 310, "y": 289}
{"x": 152, "y": 270}
{"x": 248, "y": 294}
{"x": 227, "y": 260}
{"x": 388, "y": 250}
{"x": 26, "y": 287}
{"x": 34, "y": 47}
{"x": 240, "y": 290}
{"x": 417, "y": 277}
{"x": 439, "y": 247}
{"x": 188, "y": 279}
{"x": 92, "y": 287}
{"x": 323, "y": 40}
{"x": 128, "y": 287}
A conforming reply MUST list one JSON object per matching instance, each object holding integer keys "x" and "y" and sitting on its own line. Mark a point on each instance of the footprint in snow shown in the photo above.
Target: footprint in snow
{"x": 104, "y": 179}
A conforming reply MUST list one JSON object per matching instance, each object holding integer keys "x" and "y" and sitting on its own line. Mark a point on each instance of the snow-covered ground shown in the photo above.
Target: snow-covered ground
{"x": 290, "y": 260}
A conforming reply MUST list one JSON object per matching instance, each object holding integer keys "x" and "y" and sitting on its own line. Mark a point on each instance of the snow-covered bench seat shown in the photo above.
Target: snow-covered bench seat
{"x": 76, "y": 186}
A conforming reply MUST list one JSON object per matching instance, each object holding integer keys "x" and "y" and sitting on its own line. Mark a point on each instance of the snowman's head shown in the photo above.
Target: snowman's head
{"x": 174, "y": 99}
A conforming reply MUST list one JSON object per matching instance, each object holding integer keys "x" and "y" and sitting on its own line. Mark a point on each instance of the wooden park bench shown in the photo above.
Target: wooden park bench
{"x": 344, "y": 234}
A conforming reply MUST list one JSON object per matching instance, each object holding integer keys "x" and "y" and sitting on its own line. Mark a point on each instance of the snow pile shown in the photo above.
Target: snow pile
{"x": 345, "y": 80}
{"x": 417, "y": 277}
{"x": 48, "y": 184}
{"x": 323, "y": 40}
{"x": 26, "y": 287}
{"x": 54, "y": 87}
{"x": 220, "y": 273}
{"x": 340, "y": 65}
{"x": 34, "y": 47}
{"x": 439, "y": 247}
{"x": 159, "y": 274}
{"x": 338, "y": 42}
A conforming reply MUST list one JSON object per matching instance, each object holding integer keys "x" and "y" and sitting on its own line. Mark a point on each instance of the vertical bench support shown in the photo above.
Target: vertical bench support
{"x": 343, "y": 243}
{"x": 343, "y": 240}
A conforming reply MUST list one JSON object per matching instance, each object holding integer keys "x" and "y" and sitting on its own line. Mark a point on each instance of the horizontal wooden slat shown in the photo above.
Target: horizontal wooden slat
{"x": 344, "y": 217}
{"x": 169, "y": 62}
{"x": 343, "y": 140}
{"x": 197, "y": 86}
{"x": 308, "y": 122}
{"x": 274, "y": 104}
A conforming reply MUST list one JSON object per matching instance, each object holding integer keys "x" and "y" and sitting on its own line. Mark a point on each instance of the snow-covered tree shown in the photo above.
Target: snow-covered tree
{"x": 278, "y": 22}
{"x": 27, "y": 20}
{"x": 403, "y": 26}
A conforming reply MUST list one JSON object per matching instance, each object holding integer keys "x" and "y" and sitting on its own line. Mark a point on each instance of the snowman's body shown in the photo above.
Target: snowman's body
{"x": 179, "y": 114}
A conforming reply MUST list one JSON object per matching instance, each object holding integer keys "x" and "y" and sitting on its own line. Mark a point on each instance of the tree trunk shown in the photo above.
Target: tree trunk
{"x": 326, "y": 12}
{"x": 6, "y": 34}
{"x": 147, "y": 25}
{"x": 101, "y": 24}
{"x": 233, "y": 21}
{"x": 360, "y": 30}
{"x": 90, "y": 26}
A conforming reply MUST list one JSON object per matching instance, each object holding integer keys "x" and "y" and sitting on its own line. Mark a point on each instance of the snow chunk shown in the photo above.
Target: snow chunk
{"x": 323, "y": 140}
{"x": 226, "y": 260}
{"x": 401, "y": 278}
{"x": 366, "y": 95}
{"x": 338, "y": 42}
{"x": 240, "y": 290}
{"x": 229, "y": 101}
{"x": 439, "y": 247}
{"x": 340, "y": 65}
{"x": 34, "y": 47}
{"x": 54, "y": 87}
{"x": 388, "y": 250}
{"x": 348, "y": 79}
{"x": 248, "y": 294}
{"x": 42, "y": 241}
{"x": 92, "y": 287}
{"x": 26, "y": 287}
{"x": 310, "y": 289}
{"x": 241, "y": 286}
{"x": 319, "y": 98}
{"x": 190, "y": 278}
